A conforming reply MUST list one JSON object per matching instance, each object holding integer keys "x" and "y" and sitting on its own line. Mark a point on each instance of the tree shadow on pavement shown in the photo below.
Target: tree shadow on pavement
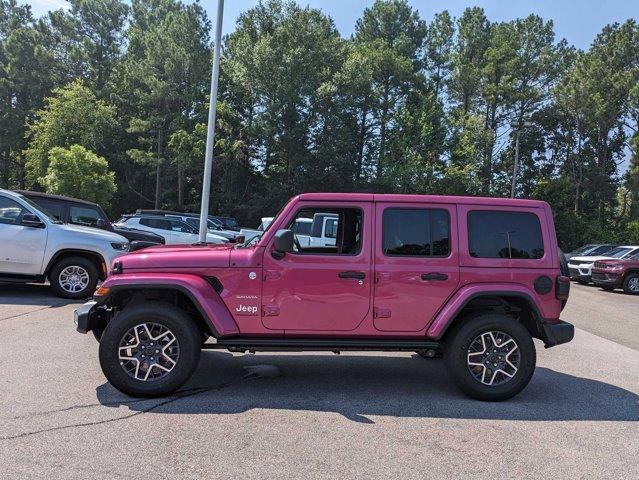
{"x": 30, "y": 294}
{"x": 361, "y": 386}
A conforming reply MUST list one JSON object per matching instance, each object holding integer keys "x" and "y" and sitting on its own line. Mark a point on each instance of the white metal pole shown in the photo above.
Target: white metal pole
{"x": 210, "y": 133}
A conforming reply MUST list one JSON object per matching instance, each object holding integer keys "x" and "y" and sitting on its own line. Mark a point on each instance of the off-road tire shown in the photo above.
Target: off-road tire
{"x": 627, "y": 284}
{"x": 170, "y": 317}
{"x": 83, "y": 263}
{"x": 458, "y": 341}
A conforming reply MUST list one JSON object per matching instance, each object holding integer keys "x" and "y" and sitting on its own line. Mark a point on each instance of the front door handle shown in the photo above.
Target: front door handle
{"x": 434, "y": 276}
{"x": 352, "y": 274}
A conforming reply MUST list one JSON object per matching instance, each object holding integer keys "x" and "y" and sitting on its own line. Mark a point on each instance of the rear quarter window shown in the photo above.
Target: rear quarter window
{"x": 504, "y": 234}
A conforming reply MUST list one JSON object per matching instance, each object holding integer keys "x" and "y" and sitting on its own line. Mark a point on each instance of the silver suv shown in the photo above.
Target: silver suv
{"x": 35, "y": 246}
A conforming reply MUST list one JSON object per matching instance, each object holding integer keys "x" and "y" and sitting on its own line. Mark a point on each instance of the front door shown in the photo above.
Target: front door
{"x": 416, "y": 264}
{"x": 321, "y": 288}
{"x": 22, "y": 247}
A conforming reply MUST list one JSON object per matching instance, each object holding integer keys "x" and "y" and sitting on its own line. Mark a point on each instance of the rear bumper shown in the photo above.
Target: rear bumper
{"x": 557, "y": 333}
{"x": 90, "y": 316}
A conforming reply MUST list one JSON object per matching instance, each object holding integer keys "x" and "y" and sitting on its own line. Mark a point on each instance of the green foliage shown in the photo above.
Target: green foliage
{"x": 72, "y": 115}
{"x": 402, "y": 105}
{"x": 78, "y": 172}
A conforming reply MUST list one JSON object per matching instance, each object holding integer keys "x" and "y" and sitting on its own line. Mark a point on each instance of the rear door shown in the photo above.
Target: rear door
{"x": 416, "y": 263}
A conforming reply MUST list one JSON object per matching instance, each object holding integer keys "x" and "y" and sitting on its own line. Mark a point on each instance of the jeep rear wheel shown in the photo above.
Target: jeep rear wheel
{"x": 73, "y": 277}
{"x": 490, "y": 357}
{"x": 150, "y": 350}
{"x": 631, "y": 284}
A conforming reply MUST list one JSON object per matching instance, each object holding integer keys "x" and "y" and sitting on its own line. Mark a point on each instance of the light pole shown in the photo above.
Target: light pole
{"x": 518, "y": 127}
{"x": 210, "y": 132}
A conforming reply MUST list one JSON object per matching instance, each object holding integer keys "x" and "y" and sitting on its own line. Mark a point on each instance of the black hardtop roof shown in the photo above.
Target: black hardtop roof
{"x": 29, "y": 193}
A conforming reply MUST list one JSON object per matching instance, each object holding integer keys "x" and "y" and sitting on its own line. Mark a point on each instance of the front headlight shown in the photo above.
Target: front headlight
{"x": 122, "y": 247}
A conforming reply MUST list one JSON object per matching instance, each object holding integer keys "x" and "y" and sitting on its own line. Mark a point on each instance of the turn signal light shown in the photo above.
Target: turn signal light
{"x": 101, "y": 291}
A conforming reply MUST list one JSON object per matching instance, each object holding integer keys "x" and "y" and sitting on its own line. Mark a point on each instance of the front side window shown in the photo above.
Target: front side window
{"x": 504, "y": 234}
{"x": 332, "y": 231}
{"x": 10, "y": 211}
{"x": 52, "y": 207}
{"x": 416, "y": 232}
{"x": 84, "y": 216}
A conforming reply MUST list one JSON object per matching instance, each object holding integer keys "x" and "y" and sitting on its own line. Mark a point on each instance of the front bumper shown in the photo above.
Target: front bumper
{"x": 90, "y": 316}
{"x": 557, "y": 333}
{"x": 601, "y": 278}
{"x": 579, "y": 272}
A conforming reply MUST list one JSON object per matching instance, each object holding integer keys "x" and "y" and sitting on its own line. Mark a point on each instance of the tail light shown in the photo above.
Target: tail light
{"x": 562, "y": 287}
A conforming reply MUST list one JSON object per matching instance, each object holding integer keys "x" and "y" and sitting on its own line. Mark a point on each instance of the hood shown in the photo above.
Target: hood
{"x": 624, "y": 261}
{"x": 171, "y": 257}
{"x": 95, "y": 233}
{"x": 590, "y": 259}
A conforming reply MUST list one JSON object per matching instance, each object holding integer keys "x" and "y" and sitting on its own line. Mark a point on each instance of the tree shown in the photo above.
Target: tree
{"x": 78, "y": 172}
{"x": 439, "y": 50}
{"x": 90, "y": 37}
{"x": 72, "y": 115}
{"x": 162, "y": 78}
{"x": 27, "y": 74}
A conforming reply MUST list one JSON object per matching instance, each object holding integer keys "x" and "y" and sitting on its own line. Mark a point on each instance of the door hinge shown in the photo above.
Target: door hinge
{"x": 382, "y": 277}
{"x": 270, "y": 311}
{"x": 272, "y": 274}
{"x": 381, "y": 312}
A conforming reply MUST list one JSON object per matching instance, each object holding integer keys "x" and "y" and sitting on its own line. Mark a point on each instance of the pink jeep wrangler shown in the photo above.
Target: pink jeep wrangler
{"x": 472, "y": 279}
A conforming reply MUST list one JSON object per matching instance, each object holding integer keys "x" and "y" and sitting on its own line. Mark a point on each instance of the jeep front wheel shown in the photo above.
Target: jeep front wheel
{"x": 490, "y": 357}
{"x": 149, "y": 350}
{"x": 73, "y": 277}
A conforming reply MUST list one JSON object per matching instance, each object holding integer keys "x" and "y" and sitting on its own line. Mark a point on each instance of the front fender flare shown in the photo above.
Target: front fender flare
{"x": 197, "y": 289}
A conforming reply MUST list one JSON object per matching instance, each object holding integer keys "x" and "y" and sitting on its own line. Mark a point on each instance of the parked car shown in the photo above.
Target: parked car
{"x": 249, "y": 234}
{"x": 174, "y": 230}
{"x": 193, "y": 219}
{"x": 592, "y": 249}
{"x": 611, "y": 274}
{"x": 580, "y": 268}
{"x": 89, "y": 214}
{"x": 36, "y": 246}
{"x": 229, "y": 223}
{"x": 473, "y": 278}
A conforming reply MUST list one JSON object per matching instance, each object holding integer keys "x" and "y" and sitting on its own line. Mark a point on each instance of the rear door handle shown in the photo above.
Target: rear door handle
{"x": 352, "y": 274}
{"x": 434, "y": 276}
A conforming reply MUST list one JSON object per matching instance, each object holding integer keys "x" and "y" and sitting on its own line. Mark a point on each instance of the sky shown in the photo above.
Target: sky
{"x": 578, "y": 21}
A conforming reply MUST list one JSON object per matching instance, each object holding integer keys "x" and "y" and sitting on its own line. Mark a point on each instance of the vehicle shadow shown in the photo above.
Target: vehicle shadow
{"x": 361, "y": 386}
{"x": 31, "y": 294}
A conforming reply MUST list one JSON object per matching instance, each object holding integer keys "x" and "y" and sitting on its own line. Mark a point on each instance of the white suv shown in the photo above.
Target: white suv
{"x": 35, "y": 246}
{"x": 581, "y": 267}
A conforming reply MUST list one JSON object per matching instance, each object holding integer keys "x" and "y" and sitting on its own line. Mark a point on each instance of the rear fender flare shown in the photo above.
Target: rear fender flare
{"x": 466, "y": 294}
{"x": 207, "y": 301}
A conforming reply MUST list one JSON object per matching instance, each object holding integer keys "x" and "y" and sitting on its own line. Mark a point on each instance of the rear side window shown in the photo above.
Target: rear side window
{"x": 158, "y": 223}
{"x": 83, "y": 216}
{"x": 416, "y": 232}
{"x": 495, "y": 234}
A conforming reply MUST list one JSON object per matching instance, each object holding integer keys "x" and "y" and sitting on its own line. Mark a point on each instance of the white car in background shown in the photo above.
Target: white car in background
{"x": 580, "y": 268}
{"x": 174, "y": 230}
{"x": 36, "y": 246}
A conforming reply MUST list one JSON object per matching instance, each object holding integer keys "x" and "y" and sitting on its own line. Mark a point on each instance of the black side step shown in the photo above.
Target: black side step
{"x": 319, "y": 344}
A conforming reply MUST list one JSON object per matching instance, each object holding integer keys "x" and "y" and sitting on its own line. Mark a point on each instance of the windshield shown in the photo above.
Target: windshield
{"x": 584, "y": 249}
{"x": 618, "y": 252}
{"x": 41, "y": 210}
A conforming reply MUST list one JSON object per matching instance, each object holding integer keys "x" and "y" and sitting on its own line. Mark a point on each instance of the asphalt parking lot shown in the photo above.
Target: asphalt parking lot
{"x": 306, "y": 415}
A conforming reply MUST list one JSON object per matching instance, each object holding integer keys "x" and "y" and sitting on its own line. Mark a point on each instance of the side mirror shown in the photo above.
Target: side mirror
{"x": 32, "y": 220}
{"x": 102, "y": 224}
{"x": 283, "y": 243}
